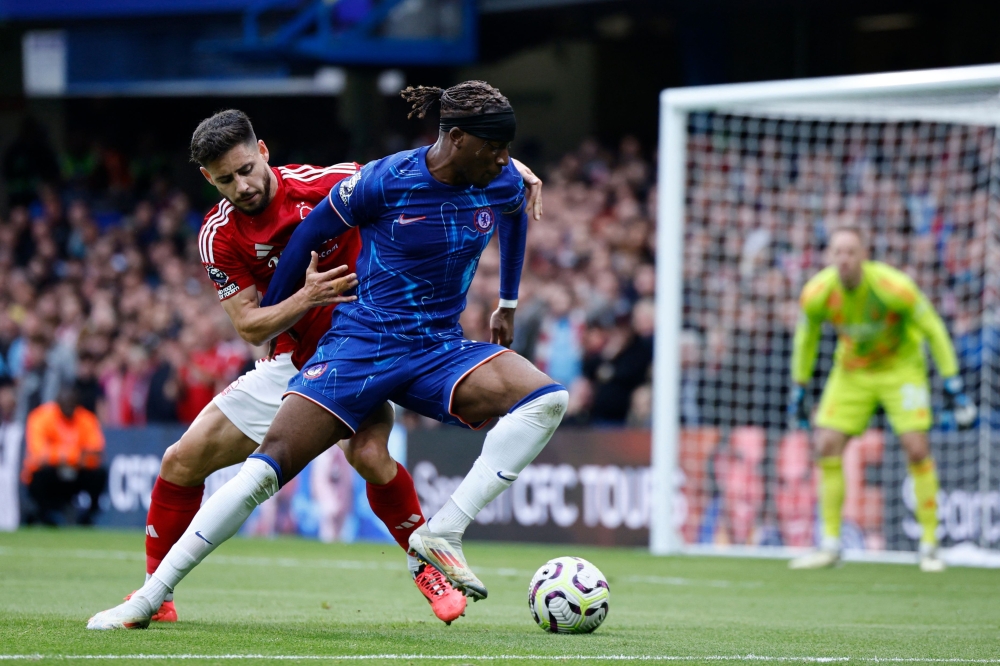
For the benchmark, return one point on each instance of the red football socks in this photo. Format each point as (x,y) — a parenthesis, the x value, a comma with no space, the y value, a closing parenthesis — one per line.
(171,509)
(397,506)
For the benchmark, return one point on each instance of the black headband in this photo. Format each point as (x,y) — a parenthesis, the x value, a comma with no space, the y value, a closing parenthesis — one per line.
(489,126)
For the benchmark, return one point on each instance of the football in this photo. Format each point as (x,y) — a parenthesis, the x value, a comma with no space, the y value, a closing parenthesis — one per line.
(569,595)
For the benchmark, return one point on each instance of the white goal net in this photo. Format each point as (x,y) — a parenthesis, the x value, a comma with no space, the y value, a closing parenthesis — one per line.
(752,178)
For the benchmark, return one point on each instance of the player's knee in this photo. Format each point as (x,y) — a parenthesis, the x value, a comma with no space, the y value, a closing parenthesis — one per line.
(546,405)
(261,477)
(184,463)
(368,454)
(917,448)
(830,443)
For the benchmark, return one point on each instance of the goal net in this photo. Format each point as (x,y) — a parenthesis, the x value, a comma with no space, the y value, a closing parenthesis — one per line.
(752,178)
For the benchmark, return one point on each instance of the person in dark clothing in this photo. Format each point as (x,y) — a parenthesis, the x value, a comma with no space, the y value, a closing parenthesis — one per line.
(164,387)
(88,388)
(622,367)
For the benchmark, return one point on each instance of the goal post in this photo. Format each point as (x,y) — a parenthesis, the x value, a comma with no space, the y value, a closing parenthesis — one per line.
(750,178)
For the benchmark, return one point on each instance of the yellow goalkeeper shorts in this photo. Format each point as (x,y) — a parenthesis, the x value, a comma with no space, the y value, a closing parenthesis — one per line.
(850,398)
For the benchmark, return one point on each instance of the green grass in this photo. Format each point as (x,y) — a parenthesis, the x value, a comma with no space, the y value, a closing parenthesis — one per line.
(301,598)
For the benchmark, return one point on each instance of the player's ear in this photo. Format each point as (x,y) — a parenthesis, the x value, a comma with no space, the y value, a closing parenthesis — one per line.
(262,147)
(207,175)
(457,137)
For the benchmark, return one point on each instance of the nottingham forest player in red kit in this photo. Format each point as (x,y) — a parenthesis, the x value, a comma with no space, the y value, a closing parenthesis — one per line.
(240,242)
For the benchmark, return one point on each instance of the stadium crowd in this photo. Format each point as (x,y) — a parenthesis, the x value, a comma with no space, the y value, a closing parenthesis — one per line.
(101,286)
(761,197)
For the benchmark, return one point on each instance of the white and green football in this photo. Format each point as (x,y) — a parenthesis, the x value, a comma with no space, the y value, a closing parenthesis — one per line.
(569,595)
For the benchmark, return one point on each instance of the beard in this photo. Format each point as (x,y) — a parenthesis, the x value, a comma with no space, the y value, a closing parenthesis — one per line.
(265,201)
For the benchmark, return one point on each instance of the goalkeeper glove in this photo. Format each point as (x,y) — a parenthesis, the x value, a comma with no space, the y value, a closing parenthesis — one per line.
(957,406)
(798,415)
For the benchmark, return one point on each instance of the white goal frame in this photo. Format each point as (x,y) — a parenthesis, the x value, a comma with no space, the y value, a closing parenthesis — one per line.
(865,98)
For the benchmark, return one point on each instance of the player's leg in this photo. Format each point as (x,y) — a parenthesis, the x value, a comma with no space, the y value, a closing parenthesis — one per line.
(925,490)
(211,443)
(906,400)
(393,498)
(847,405)
(531,407)
(226,431)
(301,431)
(389,487)
(830,446)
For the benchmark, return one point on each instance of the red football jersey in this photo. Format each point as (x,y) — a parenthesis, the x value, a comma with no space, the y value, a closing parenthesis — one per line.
(240,250)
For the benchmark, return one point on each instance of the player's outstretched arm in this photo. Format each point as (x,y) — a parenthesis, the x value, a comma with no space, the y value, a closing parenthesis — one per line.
(513,230)
(534,186)
(257,325)
(958,407)
(930,324)
(322,224)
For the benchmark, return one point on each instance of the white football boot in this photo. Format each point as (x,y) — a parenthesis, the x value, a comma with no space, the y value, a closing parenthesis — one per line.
(134,613)
(444,552)
(828,555)
(930,561)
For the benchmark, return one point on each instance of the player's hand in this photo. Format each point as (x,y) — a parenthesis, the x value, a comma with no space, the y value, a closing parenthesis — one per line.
(326,288)
(534,184)
(502,327)
(798,415)
(958,407)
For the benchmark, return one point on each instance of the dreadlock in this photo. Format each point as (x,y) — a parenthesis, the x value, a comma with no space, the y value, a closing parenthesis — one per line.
(468,98)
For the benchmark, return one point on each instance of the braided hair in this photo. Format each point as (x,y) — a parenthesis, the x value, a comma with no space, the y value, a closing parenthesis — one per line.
(468,98)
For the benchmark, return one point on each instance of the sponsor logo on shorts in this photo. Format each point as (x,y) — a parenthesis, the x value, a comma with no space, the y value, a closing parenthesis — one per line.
(915,397)
(228,291)
(315,371)
(217,275)
(483,218)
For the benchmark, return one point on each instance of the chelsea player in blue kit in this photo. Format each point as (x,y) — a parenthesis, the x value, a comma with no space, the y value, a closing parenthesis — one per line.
(425,216)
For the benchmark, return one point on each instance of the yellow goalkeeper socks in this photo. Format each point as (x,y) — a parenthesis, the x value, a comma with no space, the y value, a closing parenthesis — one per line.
(831,470)
(925,487)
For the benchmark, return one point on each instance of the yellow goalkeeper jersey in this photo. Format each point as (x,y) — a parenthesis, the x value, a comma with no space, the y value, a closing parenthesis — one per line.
(883,321)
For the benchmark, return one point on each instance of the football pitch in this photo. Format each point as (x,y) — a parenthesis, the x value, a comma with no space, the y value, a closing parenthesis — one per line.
(290,600)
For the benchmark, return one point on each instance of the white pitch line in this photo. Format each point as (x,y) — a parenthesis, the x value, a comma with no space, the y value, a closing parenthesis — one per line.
(237,560)
(499,657)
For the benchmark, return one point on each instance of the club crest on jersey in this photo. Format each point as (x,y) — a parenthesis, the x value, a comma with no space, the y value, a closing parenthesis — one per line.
(217,275)
(304,209)
(347,187)
(483,218)
(314,372)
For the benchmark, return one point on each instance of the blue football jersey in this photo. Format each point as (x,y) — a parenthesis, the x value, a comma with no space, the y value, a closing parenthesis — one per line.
(421,241)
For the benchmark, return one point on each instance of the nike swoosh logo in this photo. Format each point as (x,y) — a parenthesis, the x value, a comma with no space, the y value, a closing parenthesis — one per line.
(504,477)
(408,220)
(202,537)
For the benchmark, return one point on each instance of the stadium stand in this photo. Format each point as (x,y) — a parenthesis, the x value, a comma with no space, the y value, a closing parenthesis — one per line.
(100,283)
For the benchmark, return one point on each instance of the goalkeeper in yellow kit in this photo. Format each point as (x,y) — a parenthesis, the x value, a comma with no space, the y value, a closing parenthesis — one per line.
(882,320)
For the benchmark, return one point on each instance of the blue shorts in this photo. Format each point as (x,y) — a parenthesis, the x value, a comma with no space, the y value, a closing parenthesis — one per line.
(355,369)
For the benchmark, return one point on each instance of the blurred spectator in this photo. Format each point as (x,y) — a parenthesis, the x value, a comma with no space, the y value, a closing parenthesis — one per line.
(10,454)
(559,348)
(588,266)
(64,447)
(622,366)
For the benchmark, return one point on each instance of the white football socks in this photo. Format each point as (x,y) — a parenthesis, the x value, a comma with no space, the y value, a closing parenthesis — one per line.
(219,519)
(510,446)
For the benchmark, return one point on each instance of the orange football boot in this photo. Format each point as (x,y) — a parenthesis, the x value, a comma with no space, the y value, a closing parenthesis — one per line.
(166,613)
(447,603)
